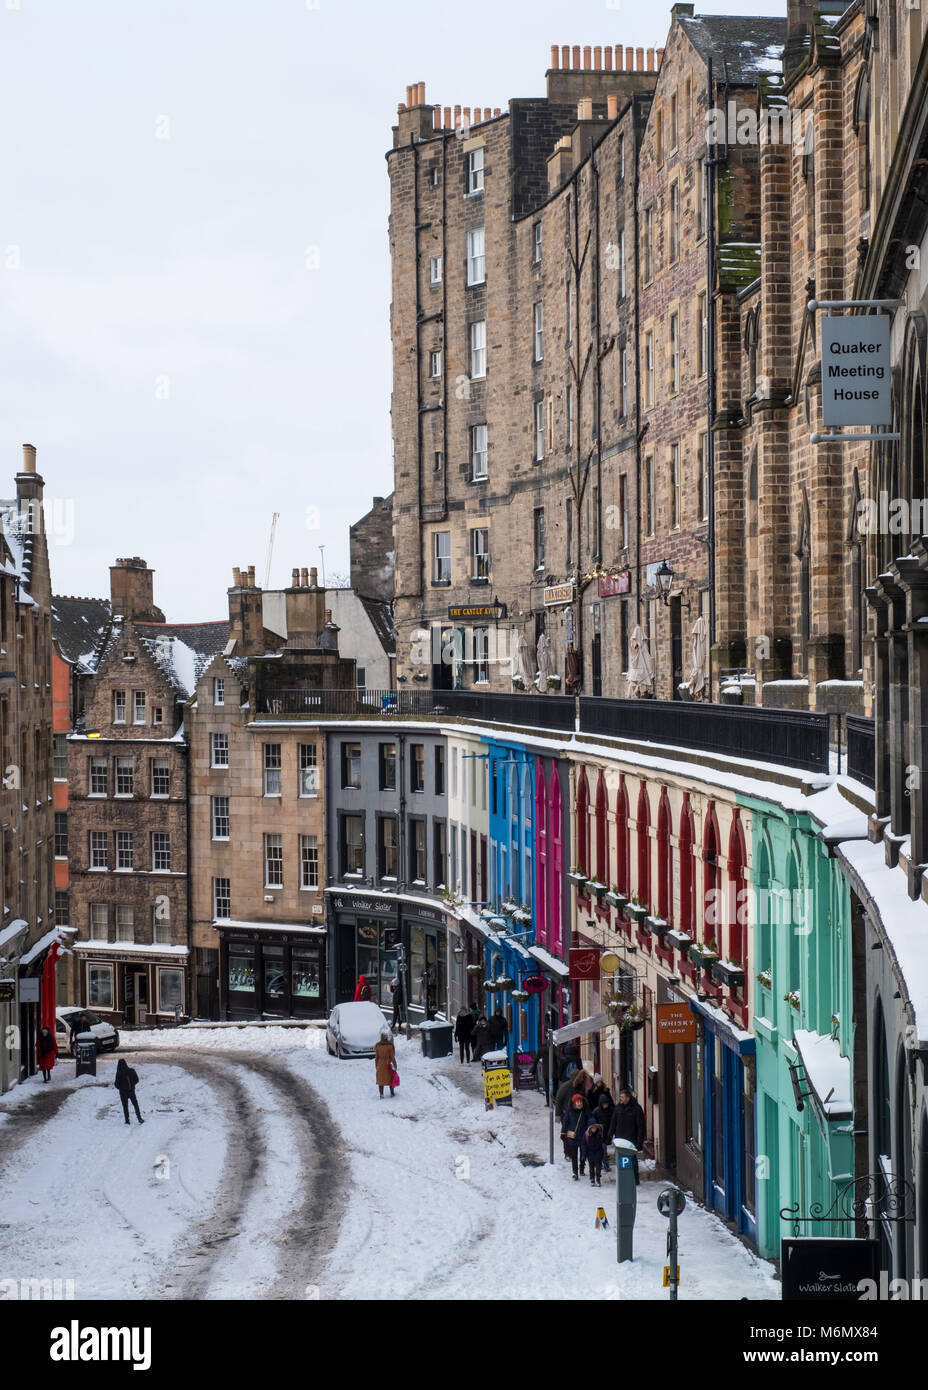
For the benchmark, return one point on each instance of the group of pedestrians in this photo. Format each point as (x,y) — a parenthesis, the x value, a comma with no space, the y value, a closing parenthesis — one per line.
(476,1035)
(590,1121)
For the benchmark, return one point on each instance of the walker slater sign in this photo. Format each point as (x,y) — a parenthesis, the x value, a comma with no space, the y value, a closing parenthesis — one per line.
(855,370)
(826,1269)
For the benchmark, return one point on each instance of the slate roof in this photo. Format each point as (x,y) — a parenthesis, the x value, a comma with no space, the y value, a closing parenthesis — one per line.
(740,46)
(79,626)
(183,650)
(381,616)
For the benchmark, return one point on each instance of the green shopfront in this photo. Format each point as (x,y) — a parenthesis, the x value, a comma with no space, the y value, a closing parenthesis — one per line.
(366,932)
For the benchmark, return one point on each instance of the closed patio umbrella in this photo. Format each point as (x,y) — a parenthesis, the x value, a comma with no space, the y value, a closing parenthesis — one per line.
(640,665)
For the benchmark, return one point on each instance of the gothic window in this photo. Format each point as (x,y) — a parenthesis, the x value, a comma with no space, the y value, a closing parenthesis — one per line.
(862,131)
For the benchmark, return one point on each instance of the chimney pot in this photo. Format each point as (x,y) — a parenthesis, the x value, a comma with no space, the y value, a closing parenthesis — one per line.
(598,57)
(496,110)
(236,577)
(313,574)
(304,578)
(607,56)
(436,118)
(660,58)
(466,114)
(457,117)
(586,58)
(650,60)
(575,57)
(629,60)
(409,96)
(639,60)
(612,106)
(448,125)
(28,458)
(565,58)
(294,578)
(251,576)
(618,57)
(554,55)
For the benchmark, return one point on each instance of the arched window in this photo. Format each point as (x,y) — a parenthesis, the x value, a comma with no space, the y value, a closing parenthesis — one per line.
(808,174)
(643,819)
(862,131)
(687,868)
(713,907)
(541,857)
(583,824)
(737,894)
(602,833)
(621,838)
(555,916)
(664,859)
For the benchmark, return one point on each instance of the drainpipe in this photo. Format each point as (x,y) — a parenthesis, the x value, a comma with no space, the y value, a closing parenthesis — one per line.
(638,430)
(710,377)
(415,184)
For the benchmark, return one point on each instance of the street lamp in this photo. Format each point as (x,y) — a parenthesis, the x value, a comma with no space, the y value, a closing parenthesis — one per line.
(664,577)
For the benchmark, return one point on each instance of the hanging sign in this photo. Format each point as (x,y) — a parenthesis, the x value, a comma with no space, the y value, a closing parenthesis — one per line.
(676,1023)
(584,963)
(558,593)
(827,1269)
(535,984)
(856,370)
(612,584)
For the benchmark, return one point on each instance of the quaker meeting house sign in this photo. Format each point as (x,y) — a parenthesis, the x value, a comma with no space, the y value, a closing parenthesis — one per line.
(855,370)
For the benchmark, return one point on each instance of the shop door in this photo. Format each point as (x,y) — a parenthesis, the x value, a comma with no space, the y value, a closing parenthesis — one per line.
(676,644)
(597,663)
(443,669)
(347,974)
(274,980)
(668,1107)
(208,987)
(140,991)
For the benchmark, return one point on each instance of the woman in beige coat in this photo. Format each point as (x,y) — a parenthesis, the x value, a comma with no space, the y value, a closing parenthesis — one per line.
(385,1062)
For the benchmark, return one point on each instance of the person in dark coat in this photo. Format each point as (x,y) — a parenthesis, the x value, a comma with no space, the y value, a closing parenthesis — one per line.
(127,1078)
(498,1030)
(481,1040)
(594,1148)
(598,1088)
(603,1115)
(574,1125)
(46,1050)
(464,1032)
(628,1123)
(399,1003)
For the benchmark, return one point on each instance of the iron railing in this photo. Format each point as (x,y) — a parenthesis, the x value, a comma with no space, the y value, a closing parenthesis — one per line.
(789,737)
(861,748)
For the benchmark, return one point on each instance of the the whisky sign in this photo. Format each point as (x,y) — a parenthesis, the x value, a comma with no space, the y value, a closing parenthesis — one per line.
(856,370)
(558,593)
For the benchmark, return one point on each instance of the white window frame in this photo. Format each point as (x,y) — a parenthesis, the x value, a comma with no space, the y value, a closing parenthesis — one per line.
(540,430)
(622,285)
(478,349)
(165,768)
(675,353)
(272,770)
(649,369)
(435,364)
(226,897)
(273,860)
(702,314)
(159,853)
(475,168)
(676,495)
(623,367)
(97,972)
(98,910)
(480,552)
(308,770)
(482,655)
(119,704)
(435,270)
(121,773)
(218,744)
(309,863)
(441,560)
(139,703)
(219,816)
(538,329)
(479,453)
(536,243)
(99,850)
(124,922)
(477,256)
(103,766)
(219,690)
(125,851)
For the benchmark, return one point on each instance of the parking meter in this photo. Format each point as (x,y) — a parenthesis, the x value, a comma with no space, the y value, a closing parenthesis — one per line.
(626,1197)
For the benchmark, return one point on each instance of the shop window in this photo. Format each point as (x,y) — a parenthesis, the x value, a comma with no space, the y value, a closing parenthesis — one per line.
(305,972)
(170,989)
(100,990)
(272,960)
(241,967)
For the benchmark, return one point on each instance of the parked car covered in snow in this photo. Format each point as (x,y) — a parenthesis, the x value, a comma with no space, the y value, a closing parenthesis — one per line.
(353,1030)
(65,1017)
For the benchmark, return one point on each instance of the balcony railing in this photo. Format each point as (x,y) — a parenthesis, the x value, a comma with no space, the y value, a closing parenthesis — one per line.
(791,738)
(861,749)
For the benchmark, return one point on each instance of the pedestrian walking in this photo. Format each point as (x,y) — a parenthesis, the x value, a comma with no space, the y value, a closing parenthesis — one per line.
(628,1123)
(385,1063)
(399,1003)
(46,1050)
(594,1148)
(498,1030)
(598,1088)
(603,1115)
(481,1042)
(362,989)
(127,1078)
(573,1127)
(464,1033)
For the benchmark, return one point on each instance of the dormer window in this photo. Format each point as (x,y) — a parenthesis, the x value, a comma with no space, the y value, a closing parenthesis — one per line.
(219,690)
(128,656)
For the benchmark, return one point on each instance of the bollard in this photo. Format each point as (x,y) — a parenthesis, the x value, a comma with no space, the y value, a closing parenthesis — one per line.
(626,1197)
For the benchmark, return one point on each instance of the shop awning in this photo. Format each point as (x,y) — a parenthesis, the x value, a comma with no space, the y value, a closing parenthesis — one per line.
(43,944)
(543,957)
(721,1025)
(303,928)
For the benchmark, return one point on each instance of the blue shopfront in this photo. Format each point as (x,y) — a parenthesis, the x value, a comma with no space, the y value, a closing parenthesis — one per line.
(728,1101)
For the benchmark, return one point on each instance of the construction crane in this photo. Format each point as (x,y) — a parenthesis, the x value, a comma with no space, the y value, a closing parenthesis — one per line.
(270,549)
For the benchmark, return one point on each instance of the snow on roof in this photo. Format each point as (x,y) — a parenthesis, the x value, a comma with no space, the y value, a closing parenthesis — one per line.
(269,926)
(741,46)
(14,929)
(79,626)
(828,1073)
(136,947)
(547,960)
(36,949)
(905,922)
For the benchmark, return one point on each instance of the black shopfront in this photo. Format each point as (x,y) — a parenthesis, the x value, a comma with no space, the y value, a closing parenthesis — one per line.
(366,931)
(272,974)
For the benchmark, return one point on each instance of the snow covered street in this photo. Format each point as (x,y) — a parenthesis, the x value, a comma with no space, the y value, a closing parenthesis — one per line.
(268,1169)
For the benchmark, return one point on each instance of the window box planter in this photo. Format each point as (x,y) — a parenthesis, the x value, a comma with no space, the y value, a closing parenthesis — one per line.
(598,889)
(725,972)
(656,925)
(616,900)
(505,983)
(510,907)
(702,956)
(678,939)
(421,676)
(580,881)
(637,912)
(793,999)
(765,978)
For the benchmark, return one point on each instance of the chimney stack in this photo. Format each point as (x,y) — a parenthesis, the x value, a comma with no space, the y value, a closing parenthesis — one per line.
(251,576)
(612,106)
(28,458)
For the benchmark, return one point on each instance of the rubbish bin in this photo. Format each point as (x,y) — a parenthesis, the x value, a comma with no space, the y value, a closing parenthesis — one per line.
(437,1038)
(85,1054)
(497,1062)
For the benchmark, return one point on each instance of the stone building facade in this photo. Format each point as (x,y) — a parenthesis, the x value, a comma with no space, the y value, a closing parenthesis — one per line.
(29,940)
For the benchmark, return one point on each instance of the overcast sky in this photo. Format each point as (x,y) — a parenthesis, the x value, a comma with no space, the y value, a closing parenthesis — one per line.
(194,279)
